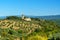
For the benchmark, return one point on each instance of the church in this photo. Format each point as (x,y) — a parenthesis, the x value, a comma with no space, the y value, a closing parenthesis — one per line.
(25,18)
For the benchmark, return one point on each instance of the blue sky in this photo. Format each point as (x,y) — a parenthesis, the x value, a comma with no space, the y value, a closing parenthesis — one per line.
(29,7)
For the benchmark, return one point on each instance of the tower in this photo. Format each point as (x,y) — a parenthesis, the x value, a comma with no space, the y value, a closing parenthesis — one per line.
(23,16)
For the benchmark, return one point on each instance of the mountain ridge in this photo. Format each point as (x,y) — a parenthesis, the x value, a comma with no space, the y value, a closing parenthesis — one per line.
(42,17)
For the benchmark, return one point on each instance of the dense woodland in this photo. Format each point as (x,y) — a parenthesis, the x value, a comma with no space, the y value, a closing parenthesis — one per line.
(14,28)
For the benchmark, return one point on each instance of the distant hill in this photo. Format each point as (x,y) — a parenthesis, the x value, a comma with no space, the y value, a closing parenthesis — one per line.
(55,18)
(2,17)
(51,17)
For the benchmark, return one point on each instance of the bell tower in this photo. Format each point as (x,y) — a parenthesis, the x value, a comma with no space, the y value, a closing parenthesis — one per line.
(22,16)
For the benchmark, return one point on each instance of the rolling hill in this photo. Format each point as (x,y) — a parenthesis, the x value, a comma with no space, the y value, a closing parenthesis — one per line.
(14,28)
(55,18)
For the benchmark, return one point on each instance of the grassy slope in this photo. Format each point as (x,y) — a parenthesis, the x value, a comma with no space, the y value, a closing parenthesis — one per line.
(37,29)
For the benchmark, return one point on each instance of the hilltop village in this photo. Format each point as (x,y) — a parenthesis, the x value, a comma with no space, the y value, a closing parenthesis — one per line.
(25,28)
(25,18)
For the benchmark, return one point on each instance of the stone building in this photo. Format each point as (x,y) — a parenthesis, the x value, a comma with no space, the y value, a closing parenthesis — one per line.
(25,18)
